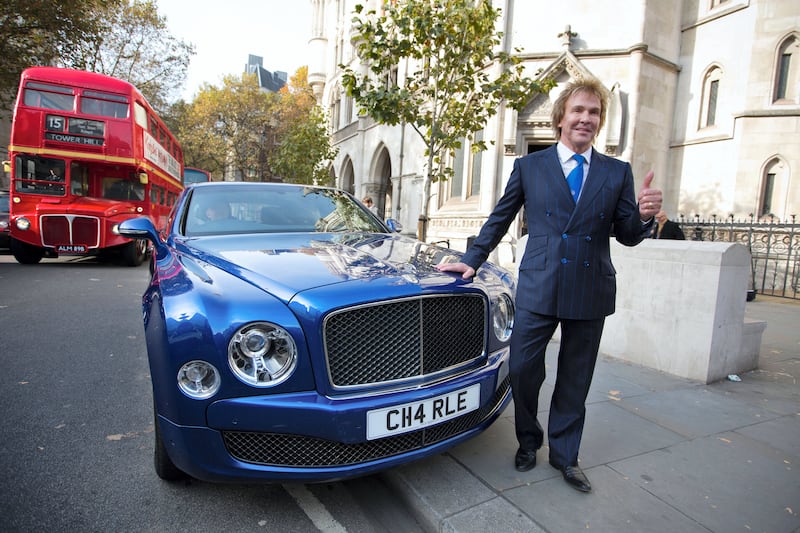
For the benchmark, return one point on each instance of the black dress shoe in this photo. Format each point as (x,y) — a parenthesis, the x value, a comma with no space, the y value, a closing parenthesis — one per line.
(575,477)
(525,460)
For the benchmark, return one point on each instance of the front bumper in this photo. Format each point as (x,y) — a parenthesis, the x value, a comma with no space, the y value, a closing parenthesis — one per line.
(310,438)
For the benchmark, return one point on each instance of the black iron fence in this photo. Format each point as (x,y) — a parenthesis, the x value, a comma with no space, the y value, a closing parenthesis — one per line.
(774,248)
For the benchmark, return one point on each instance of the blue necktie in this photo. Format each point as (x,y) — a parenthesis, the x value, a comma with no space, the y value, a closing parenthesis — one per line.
(575,178)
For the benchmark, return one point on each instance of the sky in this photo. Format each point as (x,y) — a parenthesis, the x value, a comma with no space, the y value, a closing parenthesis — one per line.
(225,32)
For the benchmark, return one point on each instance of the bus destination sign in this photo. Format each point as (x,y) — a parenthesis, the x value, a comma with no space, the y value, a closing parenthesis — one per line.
(74,130)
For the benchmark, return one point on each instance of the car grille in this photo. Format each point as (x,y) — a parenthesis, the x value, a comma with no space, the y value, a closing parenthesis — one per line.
(299,451)
(402,339)
(70,229)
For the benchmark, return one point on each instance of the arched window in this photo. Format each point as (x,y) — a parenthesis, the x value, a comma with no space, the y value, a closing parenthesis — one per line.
(787,72)
(774,180)
(711,88)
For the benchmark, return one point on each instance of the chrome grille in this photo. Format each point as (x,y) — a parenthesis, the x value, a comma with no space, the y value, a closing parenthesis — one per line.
(70,229)
(403,339)
(299,451)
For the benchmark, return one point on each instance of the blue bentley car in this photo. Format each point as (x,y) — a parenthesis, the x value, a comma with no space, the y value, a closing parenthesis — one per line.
(292,335)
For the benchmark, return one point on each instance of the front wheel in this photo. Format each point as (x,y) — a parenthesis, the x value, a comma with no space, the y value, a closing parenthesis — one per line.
(134,252)
(26,254)
(165,468)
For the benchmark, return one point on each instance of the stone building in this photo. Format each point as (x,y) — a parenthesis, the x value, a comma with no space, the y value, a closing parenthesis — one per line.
(704,92)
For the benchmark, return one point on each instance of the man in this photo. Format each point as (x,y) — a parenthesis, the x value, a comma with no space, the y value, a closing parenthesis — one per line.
(565,275)
(666,229)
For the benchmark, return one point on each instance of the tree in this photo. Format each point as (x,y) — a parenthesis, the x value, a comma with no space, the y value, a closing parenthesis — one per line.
(304,144)
(458,75)
(137,47)
(261,135)
(42,32)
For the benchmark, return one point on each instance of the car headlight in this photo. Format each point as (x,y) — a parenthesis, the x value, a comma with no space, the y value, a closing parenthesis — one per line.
(502,317)
(262,354)
(198,379)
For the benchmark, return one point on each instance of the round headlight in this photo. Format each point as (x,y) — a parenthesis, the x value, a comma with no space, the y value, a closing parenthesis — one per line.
(23,224)
(198,379)
(262,354)
(115,229)
(502,317)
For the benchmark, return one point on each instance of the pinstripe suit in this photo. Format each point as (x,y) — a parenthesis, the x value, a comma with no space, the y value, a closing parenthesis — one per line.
(565,276)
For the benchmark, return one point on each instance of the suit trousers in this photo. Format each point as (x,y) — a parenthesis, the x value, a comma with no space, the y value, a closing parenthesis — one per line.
(580,342)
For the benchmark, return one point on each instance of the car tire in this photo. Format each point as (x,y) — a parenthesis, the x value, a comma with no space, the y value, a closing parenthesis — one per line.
(165,468)
(25,253)
(134,252)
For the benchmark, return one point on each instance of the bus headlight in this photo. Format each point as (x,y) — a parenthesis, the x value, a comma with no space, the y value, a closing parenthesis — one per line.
(115,229)
(23,224)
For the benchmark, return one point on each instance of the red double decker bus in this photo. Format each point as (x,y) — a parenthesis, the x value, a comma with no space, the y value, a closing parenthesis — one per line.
(87,151)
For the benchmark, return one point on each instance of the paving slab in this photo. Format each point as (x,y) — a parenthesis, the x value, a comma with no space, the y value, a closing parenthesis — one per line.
(725,482)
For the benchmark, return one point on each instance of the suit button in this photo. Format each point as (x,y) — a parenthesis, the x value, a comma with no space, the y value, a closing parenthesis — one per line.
(547,213)
(563,260)
(563,235)
(586,264)
(588,238)
(602,215)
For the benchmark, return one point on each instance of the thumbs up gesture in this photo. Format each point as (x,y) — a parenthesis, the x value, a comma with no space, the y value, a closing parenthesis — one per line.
(649,199)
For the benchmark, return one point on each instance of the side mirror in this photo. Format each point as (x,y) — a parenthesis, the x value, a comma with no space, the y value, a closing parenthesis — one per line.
(142,228)
(394,225)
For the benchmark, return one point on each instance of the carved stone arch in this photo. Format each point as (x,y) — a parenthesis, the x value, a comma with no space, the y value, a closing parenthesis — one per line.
(534,123)
(348,181)
(380,182)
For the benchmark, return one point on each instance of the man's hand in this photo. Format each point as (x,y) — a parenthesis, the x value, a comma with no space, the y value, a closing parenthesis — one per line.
(649,199)
(467,272)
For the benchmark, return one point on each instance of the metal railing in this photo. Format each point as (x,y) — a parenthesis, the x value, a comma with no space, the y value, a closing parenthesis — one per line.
(774,247)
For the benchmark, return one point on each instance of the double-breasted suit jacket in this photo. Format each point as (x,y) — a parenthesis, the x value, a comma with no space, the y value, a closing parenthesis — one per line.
(566,270)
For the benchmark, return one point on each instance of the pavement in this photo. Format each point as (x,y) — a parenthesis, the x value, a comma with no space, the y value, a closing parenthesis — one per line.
(663,454)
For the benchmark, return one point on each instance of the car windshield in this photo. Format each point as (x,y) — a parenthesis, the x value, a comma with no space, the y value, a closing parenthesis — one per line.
(274,208)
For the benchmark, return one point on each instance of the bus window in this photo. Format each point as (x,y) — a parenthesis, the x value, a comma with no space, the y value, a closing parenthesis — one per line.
(39,175)
(104,108)
(122,189)
(78,179)
(52,97)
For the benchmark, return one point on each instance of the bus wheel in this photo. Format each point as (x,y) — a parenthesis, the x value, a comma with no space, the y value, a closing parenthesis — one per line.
(134,252)
(26,254)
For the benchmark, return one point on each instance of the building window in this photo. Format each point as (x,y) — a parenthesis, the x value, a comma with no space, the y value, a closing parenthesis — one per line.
(708,110)
(391,78)
(717,3)
(475,168)
(766,199)
(787,72)
(348,109)
(774,190)
(457,181)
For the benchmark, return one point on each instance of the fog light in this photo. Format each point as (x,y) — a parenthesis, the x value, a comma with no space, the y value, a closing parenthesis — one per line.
(198,379)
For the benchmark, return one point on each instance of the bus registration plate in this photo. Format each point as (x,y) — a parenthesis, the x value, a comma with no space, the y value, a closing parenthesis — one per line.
(71,249)
(399,419)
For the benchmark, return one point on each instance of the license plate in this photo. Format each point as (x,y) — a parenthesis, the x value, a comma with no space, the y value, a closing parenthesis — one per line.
(417,415)
(71,249)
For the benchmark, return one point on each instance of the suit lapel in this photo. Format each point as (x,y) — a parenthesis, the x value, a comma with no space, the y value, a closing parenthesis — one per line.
(553,171)
(598,173)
